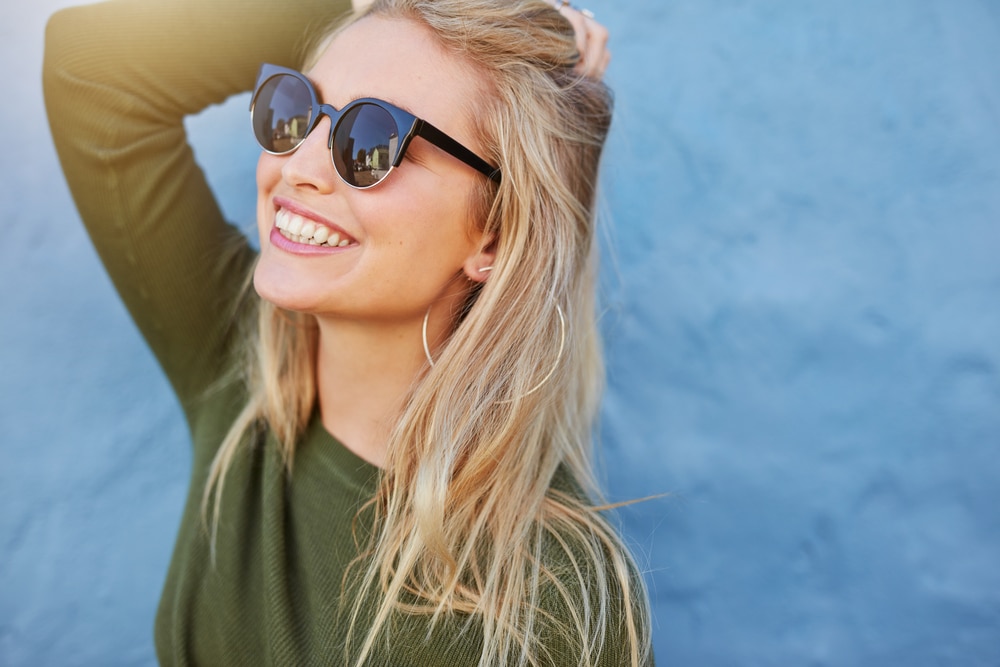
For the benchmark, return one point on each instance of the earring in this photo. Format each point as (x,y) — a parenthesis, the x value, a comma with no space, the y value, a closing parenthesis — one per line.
(562,346)
(423,333)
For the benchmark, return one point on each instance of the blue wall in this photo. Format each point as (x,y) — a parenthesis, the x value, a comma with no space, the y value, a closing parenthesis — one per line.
(802,281)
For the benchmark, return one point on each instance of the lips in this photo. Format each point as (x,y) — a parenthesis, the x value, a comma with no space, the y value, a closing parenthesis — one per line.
(299,229)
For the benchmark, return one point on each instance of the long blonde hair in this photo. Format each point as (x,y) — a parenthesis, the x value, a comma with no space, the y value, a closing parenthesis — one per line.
(466,515)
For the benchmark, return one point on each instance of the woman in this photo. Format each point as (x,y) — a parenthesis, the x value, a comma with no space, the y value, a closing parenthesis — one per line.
(391,463)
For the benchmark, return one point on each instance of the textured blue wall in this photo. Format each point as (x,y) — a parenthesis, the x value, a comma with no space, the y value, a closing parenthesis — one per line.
(802,281)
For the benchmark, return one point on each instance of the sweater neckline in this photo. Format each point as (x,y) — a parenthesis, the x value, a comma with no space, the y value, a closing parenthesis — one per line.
(322,448)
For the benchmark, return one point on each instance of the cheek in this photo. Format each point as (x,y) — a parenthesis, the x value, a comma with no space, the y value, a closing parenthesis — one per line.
(439,223)
(268,174)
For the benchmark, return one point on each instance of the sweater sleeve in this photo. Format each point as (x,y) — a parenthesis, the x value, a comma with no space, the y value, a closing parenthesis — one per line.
(119,77)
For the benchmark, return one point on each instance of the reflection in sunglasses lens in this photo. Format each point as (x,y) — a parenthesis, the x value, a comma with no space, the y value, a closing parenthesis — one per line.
(282,113)
(365,145)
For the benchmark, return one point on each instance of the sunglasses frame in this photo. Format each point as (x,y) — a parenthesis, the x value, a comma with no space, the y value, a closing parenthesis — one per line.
(417,127)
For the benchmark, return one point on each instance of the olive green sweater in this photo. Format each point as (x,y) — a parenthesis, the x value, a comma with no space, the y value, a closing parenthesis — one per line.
(119,78)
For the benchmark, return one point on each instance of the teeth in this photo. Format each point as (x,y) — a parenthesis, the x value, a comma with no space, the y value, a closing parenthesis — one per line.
(300,230)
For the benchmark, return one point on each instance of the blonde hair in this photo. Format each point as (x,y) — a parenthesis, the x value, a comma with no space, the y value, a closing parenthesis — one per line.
(466,515)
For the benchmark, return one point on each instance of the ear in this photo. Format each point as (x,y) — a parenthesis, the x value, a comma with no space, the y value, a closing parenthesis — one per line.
(477,266)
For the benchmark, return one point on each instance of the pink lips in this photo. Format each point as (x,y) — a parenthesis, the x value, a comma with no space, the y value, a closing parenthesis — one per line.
(280,241)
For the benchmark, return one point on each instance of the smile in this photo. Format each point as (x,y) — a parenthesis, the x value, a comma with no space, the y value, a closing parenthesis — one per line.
(297,229)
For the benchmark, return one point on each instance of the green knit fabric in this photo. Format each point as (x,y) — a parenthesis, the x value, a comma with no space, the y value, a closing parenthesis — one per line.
(119,78)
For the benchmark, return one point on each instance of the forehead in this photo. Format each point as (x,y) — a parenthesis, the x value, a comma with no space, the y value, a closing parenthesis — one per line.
(401,62)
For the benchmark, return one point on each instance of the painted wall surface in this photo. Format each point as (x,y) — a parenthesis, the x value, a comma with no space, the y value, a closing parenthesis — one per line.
(802,290)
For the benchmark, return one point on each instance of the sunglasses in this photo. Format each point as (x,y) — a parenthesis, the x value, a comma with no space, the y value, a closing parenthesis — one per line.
(368,137)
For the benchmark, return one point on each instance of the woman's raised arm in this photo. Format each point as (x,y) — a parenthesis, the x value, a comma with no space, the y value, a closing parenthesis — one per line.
(119,77)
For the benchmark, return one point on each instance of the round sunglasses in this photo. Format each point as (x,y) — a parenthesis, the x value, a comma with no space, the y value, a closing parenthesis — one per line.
(368,137)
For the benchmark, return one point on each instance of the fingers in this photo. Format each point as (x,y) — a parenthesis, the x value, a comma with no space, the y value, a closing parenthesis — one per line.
(591,40)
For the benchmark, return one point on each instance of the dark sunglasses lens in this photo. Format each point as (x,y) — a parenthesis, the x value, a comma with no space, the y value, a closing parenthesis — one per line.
(282,112)
(365,145)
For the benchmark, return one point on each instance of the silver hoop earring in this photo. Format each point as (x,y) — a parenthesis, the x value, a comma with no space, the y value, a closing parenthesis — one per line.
(485,269)
(423,333)
(562,346)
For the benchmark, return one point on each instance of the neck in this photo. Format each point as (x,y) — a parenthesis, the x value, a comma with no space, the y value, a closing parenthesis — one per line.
(365,370)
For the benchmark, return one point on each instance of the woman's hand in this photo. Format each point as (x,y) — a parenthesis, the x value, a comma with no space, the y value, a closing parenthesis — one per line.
(591,40)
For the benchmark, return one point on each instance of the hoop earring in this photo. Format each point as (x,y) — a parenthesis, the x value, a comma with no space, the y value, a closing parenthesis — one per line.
(423,334)
(562,346)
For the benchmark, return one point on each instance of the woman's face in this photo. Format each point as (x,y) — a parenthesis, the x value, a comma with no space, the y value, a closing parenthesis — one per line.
(409,240)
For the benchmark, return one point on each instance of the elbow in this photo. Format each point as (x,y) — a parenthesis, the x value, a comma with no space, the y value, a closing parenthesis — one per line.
(78,47)
(65,54)
(62,43)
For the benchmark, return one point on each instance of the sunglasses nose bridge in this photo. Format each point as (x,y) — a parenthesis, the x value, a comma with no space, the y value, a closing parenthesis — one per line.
(333,115)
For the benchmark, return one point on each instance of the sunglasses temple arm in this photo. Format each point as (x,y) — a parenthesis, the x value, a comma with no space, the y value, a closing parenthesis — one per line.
(449,145)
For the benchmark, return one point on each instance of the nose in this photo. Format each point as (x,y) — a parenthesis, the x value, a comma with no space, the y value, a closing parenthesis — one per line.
(310,165)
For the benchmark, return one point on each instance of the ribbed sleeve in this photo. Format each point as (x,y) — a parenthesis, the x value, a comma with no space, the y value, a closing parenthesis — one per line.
(119,77)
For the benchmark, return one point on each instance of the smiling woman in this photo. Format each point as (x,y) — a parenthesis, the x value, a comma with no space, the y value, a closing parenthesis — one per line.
(392,429)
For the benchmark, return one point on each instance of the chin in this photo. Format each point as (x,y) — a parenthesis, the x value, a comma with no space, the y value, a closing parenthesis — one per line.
(274,285)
